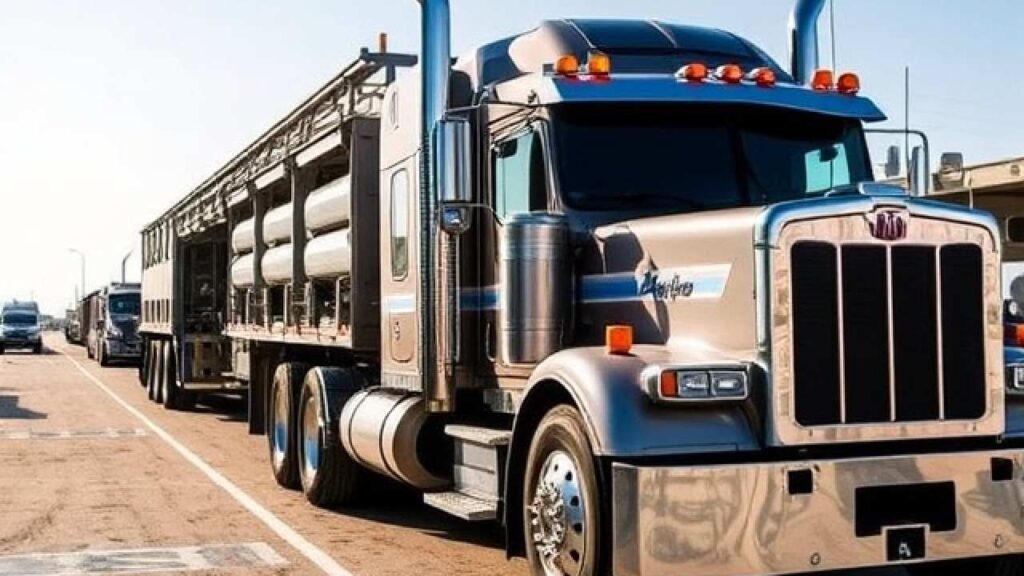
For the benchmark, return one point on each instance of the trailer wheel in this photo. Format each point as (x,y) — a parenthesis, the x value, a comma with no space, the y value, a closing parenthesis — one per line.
(174,396)
(101,354)
(282,424)
(144,364)
(153,391)
(561,505)
(328,474)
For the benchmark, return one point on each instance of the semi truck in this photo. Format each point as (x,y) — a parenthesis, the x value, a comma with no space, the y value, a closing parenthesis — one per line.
(625,287)
(110,323)
(20,327)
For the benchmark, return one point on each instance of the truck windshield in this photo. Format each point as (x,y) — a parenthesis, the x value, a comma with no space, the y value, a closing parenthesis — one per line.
(19,319)
(123,304)
(687,158)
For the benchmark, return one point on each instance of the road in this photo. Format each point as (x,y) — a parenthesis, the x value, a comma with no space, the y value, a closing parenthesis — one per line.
(95,479)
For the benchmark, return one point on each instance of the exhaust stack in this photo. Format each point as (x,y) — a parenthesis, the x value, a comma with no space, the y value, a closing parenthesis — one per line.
(435,63)
(803,39)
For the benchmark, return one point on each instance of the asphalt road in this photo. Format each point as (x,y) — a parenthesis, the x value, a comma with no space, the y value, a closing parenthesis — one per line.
(95,479)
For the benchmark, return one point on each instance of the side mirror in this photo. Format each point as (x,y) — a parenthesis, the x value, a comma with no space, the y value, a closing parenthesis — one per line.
(892,162)
(454,162)
(919,174)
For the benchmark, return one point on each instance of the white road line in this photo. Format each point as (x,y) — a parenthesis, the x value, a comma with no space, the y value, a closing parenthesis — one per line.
(286,532)
(143,560)
(72,434)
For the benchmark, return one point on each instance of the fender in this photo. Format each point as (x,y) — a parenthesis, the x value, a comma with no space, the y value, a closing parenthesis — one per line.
(621,420)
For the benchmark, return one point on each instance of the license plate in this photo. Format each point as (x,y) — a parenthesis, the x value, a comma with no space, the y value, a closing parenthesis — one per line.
(905,544)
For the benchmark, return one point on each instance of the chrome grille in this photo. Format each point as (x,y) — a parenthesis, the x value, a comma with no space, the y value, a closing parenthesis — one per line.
(887,333)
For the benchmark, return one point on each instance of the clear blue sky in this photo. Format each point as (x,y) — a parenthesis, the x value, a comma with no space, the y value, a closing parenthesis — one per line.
(113,109)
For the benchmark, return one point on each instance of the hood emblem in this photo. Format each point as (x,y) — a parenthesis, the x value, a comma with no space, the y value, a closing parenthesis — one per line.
(889,225)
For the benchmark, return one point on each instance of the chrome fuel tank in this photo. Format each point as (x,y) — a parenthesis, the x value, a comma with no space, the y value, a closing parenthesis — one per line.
(277,225)
(243,237)
(535,286)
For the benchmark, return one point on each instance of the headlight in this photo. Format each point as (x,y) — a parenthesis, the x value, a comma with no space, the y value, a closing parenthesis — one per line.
(679,384)
(1015,378)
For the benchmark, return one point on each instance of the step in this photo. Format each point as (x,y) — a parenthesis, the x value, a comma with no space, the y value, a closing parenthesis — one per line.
(462,505)
(479,434)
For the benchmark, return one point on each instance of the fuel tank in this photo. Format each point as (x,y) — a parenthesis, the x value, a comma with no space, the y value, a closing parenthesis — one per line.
(391,433)
(534,317)
(241,271)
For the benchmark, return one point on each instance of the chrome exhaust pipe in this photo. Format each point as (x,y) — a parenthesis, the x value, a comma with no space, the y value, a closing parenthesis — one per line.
(435,65)
(803,39)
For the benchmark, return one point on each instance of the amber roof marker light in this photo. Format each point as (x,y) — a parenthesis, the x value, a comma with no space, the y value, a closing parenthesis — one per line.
(764,77)
(618,338)
(729,73)
(598,64)
(822,80)
(693,72)
(849,83)
(567,65)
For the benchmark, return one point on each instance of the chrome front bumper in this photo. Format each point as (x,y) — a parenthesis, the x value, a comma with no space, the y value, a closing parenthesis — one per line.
(782,518)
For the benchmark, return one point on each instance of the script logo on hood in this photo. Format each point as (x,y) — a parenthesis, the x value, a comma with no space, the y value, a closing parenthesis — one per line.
(665,289)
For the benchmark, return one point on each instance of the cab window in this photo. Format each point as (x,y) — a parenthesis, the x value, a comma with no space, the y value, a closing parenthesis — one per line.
(519,176)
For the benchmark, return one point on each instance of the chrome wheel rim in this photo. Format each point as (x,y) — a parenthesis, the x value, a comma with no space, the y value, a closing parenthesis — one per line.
(310,440)
(280,431)
(557,516)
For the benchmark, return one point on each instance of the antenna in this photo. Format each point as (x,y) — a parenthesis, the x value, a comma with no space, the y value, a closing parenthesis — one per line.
(832,31)
(906,116)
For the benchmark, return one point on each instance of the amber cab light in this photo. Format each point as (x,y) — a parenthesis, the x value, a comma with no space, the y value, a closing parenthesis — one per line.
(618,338)
(764,77)
(822,80)
(567,65)
(729,73)
(848,83)
(694,72)
(599,64)
(1015,335)
(669,384)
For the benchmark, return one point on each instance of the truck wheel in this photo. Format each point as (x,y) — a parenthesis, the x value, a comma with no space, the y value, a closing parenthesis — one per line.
(282,422)
(2,349)
(561,505)
(157,371)
(102,356)
(328,474)
(38,348)
(169,389)
(144,364)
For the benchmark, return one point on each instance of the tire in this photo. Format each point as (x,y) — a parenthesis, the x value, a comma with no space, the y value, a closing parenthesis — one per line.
(157,370)
(169,390)
(561,475)
(102,356)
(2,350)
(38,348)
(328,475)
(282,419)
(144,364)
(88,351)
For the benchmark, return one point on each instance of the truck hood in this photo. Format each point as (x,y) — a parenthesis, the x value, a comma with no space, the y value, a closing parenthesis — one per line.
(685,281)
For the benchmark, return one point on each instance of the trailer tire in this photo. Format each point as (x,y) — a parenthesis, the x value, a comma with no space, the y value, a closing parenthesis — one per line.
(102,356)
(561,498)
(153,389)
(282,422)
(329,476)
(169,389)
(144,364)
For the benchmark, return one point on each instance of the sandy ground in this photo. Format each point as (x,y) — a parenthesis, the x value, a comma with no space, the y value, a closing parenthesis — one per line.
(79,472)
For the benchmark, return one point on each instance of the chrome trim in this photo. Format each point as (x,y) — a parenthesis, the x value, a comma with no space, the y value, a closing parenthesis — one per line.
(803,39)
(774,218)
(740,520)
(936,225)
(435,35)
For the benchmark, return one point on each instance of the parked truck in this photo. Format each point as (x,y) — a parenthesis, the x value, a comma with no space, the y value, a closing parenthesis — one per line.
(625,287)
(110,323)
(20,327)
